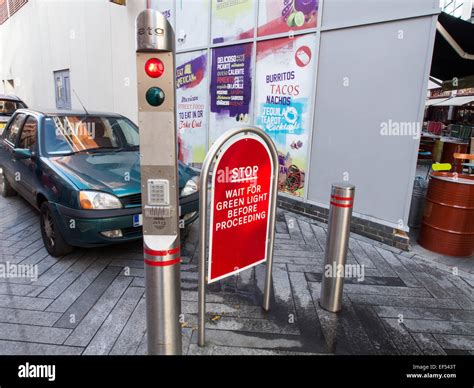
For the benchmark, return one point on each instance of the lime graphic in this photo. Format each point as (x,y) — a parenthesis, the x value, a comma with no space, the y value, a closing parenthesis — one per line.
(291,19)
(299,18)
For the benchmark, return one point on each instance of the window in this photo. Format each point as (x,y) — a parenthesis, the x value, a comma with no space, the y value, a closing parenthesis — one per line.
(62,89)
(12,131)
(70,134)
(28,134)
(8,107)
(15,5)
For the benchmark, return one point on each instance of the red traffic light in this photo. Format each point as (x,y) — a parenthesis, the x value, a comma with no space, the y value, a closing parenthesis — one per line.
(154,68)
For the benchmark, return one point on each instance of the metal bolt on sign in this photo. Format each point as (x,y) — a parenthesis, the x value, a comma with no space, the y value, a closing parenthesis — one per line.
(159,180)
(241,232)
(339,225)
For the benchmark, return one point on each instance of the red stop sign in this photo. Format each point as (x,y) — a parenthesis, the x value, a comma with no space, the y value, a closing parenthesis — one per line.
(240,206)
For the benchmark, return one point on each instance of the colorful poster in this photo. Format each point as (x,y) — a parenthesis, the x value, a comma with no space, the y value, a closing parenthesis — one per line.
(284,99)
(232,20)
(191,106)
(192,24)
(278,16)
(231,88)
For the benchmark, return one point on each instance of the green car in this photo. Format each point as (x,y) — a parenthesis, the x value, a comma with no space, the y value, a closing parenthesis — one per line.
(82,172)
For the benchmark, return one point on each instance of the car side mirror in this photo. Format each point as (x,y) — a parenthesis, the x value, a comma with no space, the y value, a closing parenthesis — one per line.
(22,153)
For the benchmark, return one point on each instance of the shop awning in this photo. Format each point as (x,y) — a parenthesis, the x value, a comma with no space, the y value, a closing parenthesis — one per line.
(435,101)
(457,101)
(453,49)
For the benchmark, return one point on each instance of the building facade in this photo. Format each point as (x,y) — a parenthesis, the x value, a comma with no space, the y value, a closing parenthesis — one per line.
(331,81)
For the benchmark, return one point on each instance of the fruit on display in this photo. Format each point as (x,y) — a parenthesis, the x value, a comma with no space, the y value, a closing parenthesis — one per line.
(297,12)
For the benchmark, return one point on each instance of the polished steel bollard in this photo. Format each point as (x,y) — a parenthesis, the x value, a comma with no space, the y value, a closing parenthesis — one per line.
(339,225)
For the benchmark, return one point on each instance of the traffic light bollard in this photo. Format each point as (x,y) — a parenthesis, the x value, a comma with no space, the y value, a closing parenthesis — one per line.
(159,181)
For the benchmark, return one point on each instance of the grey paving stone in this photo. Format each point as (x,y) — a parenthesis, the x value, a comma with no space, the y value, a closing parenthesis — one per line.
(86,330)
(282,290)
(246,325)
(462,342)
(424,313)
(40,318)
(440,327)
(320,234)
(391,300)
(88,298)
(368,280)
(18,289)
(386,290)
(428,344)
(234,310)
(293,227)
(65,280)
(29,333)
(359,254)
(67,298)
(251,340)
(308,236)
(57,269)
(306,316)
(399,269)
(24,302)
(401,337)
(375,330)
(13,348)
(106,336)
(424,278)
(131,335)
(213,350)
(384,268)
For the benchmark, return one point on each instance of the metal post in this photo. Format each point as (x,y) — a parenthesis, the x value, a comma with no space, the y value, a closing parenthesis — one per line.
(159,177)
(203,199)
(339,225)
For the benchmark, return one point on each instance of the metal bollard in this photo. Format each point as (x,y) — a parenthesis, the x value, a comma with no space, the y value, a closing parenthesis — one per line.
(339,225)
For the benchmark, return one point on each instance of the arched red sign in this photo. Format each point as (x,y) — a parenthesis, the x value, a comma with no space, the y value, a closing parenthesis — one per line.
(240,207)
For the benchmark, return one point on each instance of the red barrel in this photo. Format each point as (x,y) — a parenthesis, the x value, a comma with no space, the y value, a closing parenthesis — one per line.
(451,147)
(448,219)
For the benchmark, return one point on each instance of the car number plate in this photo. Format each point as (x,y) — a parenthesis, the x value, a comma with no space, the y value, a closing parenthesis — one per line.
(137,220)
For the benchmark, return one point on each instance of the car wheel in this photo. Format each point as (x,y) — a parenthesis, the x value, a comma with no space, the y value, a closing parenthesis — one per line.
(52,237)
(5,189)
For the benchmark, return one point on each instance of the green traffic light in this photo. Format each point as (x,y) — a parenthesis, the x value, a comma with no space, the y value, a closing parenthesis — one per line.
(155,96)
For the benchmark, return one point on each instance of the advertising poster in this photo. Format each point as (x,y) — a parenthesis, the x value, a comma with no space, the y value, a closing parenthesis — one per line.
(191,106)
(230,88)
(278,16)
(192,23)
(232,20)
(166,8)
(284,100)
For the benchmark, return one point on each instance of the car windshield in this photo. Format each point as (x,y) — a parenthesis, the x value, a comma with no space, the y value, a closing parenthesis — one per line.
(8,107)
(73,134)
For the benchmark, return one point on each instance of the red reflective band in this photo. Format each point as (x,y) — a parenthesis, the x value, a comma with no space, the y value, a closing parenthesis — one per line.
(341,204)
(152,252)
(342,198)
(154,68)
(162,263)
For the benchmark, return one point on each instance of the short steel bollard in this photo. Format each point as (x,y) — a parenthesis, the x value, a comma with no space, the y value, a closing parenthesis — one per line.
(339,225)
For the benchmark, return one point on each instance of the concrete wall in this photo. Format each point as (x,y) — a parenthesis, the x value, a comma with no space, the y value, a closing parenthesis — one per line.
(94,39)
(368,75)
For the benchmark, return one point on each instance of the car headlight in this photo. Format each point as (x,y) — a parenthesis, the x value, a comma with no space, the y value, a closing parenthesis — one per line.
(192,186)
(98,201)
